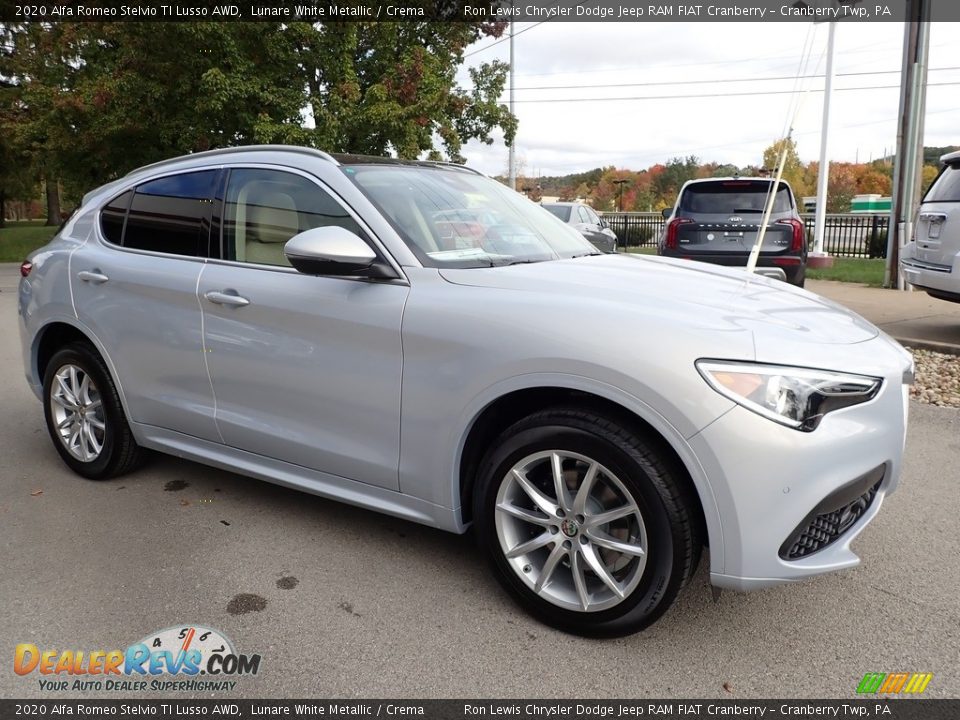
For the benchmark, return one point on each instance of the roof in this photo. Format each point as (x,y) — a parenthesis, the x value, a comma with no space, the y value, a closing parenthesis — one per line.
(349,159)
(239,149)
(337,158)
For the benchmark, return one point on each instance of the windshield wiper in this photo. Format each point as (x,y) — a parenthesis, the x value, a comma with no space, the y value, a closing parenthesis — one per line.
(589,254)
(521,262)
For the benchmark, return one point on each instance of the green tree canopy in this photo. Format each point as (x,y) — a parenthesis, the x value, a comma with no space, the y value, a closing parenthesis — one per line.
(95,100)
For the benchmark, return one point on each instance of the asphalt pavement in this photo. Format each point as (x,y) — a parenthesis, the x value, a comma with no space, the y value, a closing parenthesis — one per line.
(341,602)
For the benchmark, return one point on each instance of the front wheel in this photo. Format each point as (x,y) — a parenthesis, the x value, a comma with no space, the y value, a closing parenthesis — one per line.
(584,523)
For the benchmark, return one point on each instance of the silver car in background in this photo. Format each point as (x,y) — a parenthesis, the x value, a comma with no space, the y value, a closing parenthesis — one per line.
(416,339)
(585,221)
(931,260)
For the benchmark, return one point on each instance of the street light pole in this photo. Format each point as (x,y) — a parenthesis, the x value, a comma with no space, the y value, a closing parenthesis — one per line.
(620,183)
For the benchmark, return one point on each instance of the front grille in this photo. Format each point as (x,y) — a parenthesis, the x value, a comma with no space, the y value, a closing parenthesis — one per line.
(823,529)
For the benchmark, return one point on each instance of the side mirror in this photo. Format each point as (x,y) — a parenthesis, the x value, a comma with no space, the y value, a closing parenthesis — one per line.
(331,250)
(604,223)
(666,212)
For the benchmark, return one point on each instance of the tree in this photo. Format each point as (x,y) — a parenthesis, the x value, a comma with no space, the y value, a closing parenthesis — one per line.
(102,98)
(841,187)
(792,167)
(379,87)
(930,173)
(871,181)
(98,99)
(668,181)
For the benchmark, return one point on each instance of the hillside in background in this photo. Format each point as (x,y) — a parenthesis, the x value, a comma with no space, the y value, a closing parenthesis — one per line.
(656,187)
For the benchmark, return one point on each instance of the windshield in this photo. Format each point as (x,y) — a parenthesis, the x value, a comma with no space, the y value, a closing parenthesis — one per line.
(454,218)
(733,196)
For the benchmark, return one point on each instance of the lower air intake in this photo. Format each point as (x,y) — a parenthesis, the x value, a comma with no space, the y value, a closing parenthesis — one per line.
(823,528)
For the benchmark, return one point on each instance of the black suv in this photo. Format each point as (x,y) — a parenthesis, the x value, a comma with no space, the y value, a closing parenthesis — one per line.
(716,220)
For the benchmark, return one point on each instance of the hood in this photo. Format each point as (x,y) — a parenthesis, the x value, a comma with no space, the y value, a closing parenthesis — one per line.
(698,290)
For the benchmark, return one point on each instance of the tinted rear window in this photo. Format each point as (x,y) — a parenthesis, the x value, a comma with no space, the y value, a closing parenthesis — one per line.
(171,215)
(946,188)
(113,215)
(734,196)
(561,211)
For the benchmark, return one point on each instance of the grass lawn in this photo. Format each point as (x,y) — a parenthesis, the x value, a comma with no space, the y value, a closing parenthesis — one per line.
(854,270)
(18,239)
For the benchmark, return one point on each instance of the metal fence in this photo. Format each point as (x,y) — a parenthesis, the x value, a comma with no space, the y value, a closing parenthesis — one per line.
(862,235)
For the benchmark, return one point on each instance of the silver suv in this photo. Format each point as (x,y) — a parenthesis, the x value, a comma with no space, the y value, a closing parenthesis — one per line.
(931,260)
(419,340)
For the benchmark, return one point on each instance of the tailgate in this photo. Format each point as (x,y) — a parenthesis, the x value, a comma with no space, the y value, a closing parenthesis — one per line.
(733,237)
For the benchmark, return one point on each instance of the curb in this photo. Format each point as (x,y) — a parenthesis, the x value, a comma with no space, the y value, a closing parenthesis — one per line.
(931,345)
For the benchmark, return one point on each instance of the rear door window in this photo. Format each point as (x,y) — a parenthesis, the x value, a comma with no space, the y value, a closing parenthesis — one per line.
(113,216)
(172,214)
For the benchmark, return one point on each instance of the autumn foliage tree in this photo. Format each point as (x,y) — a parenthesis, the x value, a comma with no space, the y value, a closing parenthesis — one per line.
(95,100)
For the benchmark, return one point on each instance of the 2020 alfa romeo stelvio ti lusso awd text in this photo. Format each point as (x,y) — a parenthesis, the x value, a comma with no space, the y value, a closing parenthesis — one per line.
(416,339)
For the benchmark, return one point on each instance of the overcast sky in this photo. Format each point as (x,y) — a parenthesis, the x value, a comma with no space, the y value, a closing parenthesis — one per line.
(557,138)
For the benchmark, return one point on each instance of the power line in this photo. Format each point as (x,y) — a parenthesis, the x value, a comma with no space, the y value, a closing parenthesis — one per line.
(721,80)
(719,95)
(504,39)
(723,146)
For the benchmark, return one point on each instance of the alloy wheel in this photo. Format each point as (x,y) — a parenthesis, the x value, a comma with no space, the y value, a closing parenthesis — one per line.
(78,414)
(571,530)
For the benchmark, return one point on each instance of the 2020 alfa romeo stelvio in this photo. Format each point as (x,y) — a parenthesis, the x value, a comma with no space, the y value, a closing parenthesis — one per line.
(416,339)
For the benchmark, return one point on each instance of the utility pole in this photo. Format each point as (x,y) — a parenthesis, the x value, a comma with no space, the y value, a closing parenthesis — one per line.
(513,165)
(908,161)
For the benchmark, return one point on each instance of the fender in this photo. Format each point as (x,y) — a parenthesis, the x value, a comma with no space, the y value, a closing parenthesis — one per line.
(95,341)
(645,412)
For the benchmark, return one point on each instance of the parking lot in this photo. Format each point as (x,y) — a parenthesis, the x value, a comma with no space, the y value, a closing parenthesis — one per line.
(341,602)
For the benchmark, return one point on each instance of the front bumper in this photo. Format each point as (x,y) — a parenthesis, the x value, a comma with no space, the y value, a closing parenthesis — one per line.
(776,487)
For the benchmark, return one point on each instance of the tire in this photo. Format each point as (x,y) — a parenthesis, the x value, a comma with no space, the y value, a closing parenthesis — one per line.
(80,396)
(661,521)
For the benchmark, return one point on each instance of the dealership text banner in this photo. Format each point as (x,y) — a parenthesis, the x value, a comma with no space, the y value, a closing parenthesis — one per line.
(473,11)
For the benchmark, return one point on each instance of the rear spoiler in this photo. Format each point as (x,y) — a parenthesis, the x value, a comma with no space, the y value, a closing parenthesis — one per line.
(950,158)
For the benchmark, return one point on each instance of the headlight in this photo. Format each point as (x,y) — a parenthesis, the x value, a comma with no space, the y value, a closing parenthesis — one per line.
(791,396)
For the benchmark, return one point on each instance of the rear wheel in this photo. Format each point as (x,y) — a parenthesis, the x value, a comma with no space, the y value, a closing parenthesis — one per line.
(584,524)
(84,416)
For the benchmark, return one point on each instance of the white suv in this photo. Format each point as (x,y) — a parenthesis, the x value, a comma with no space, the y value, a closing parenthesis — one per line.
(931,260)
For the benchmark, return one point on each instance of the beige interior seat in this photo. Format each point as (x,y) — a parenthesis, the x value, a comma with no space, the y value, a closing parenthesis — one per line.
(266,218)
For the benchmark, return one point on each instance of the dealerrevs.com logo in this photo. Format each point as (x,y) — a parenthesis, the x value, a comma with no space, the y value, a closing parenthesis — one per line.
(185,658)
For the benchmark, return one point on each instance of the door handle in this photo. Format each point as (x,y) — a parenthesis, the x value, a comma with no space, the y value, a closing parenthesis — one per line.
(225,298)
(92,276)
